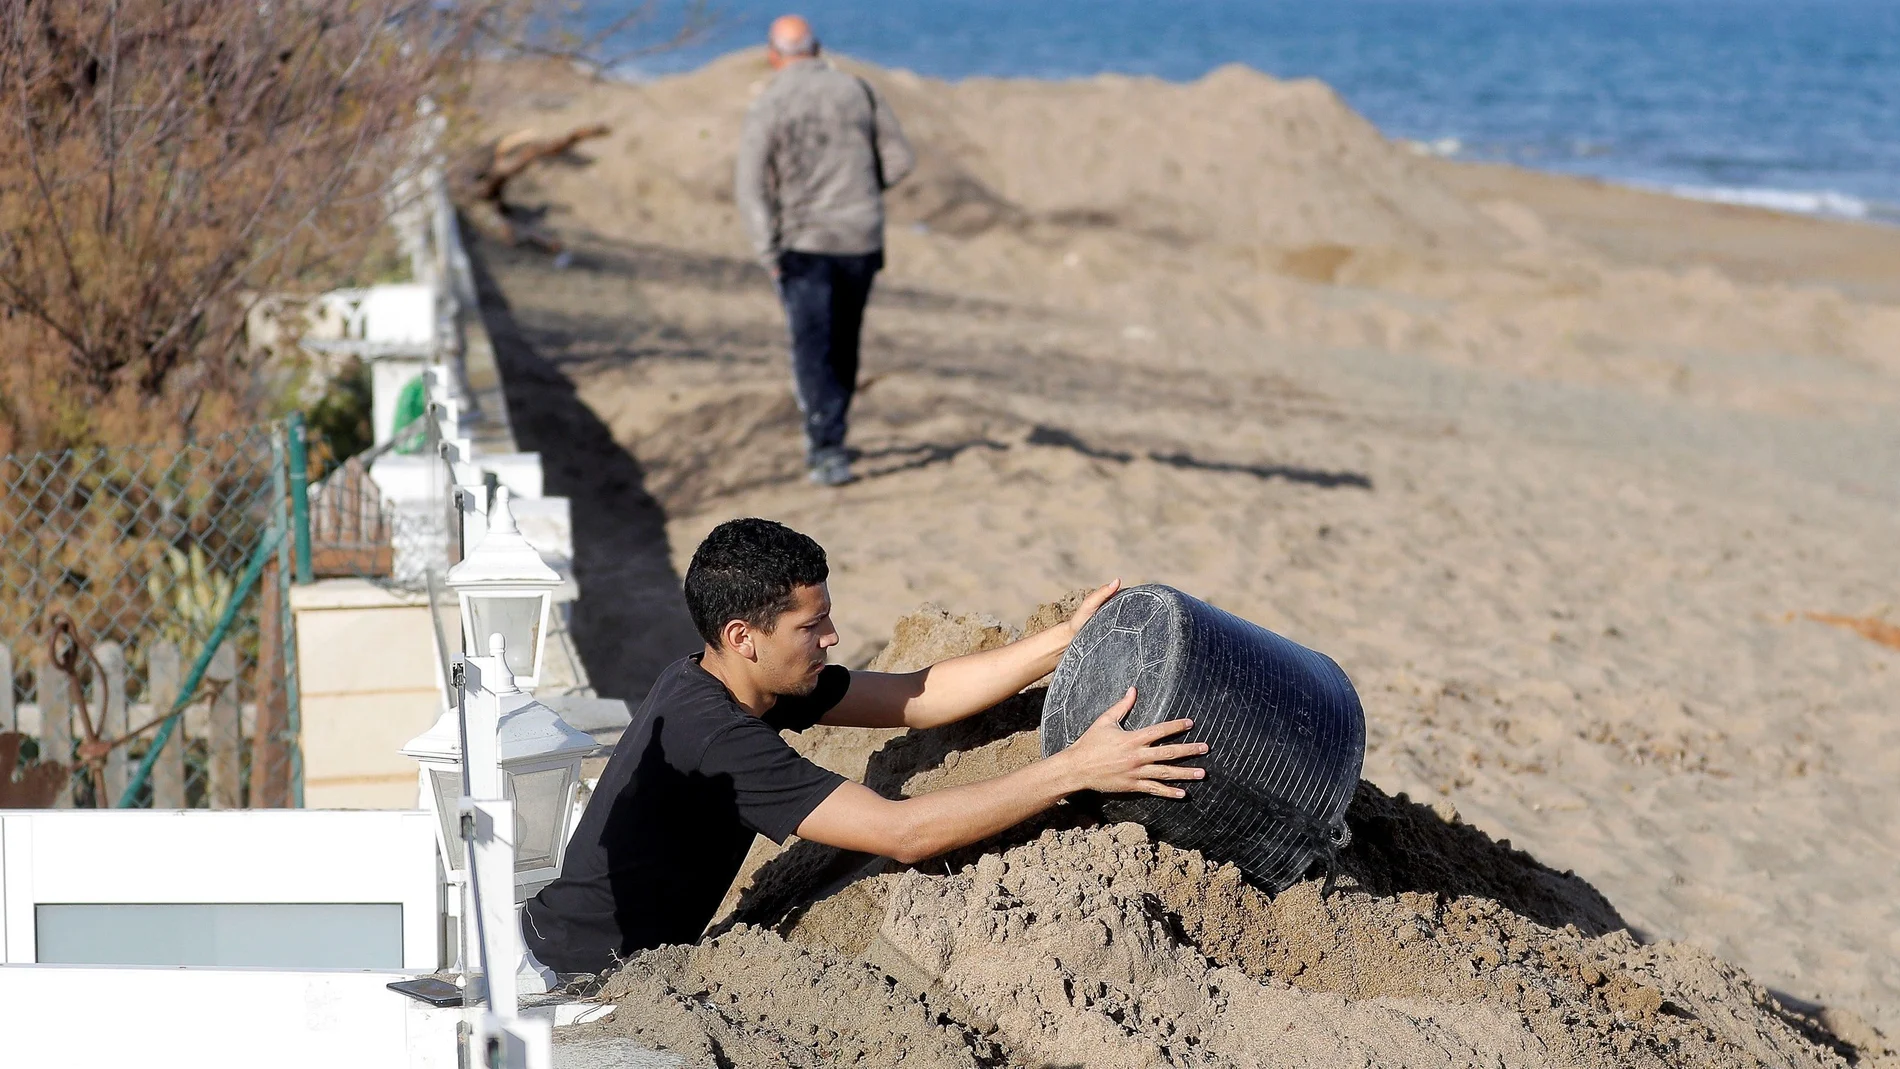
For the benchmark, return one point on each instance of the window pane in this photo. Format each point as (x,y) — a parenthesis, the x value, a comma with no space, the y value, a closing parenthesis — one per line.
(448,797)
(298,935)
(512,618)
(539,817)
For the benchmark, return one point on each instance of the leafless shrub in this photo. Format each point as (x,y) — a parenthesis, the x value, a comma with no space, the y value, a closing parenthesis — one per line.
(159,157)
(549,30)
(164,161)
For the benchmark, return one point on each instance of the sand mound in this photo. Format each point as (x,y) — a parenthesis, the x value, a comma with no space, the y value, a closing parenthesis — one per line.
(1071,942)
(1237,155)
(1095,946)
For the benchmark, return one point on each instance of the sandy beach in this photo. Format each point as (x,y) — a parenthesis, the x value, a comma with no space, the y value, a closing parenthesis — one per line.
(1555,470)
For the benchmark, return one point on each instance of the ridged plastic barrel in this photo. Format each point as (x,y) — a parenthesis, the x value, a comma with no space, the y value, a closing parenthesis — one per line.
(1284,727)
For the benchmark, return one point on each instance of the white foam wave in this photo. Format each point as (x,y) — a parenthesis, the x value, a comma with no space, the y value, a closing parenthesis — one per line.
(1443,147)
(1798,201)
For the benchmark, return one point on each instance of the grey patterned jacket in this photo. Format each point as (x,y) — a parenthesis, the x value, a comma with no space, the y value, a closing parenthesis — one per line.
(818,149)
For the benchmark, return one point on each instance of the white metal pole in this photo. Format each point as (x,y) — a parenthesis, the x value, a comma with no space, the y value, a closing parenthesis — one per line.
(493,873)
(470,949)
(500,1036)
(481,719)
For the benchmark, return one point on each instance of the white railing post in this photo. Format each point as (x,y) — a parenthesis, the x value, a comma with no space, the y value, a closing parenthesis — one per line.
(492,898)
(491,928)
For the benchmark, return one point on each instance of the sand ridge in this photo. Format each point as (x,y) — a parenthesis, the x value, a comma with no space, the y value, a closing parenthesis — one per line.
(1073,942)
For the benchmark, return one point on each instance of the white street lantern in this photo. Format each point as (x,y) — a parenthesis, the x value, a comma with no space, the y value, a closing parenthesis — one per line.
(439,752)
(539,757)
(506,589)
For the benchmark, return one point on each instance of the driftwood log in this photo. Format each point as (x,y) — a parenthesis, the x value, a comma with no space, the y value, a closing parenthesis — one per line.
(483,176)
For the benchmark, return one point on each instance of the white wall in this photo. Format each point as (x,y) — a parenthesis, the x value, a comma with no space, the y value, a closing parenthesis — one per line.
(209,1018)
(82,856)
(368,671)
(79,1016)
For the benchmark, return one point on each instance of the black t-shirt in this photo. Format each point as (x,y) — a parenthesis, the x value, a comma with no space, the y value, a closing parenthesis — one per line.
(691,781)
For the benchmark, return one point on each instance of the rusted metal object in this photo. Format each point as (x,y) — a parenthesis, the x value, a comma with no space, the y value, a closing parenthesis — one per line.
(350,534)
(70,654)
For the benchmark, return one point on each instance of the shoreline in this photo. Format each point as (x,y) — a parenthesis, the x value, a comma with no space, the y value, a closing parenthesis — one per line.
(1861,257)
(1652,226)
(1828,205)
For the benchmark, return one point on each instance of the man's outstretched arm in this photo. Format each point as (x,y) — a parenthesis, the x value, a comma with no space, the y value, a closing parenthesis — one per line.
(1105,758)
(951,690)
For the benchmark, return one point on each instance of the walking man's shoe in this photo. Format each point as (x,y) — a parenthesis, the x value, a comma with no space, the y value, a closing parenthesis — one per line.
(831,468)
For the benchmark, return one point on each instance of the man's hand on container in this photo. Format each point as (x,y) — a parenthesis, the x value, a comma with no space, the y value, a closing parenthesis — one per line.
(1090,604)
(1114,761)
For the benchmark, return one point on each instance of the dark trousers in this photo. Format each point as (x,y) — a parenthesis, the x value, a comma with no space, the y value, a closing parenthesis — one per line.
(824,297)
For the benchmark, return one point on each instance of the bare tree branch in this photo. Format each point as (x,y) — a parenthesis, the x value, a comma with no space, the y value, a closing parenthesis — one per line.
(697,20)
(162,160)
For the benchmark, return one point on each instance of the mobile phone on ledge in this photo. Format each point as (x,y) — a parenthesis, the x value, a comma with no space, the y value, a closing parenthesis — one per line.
(430,989)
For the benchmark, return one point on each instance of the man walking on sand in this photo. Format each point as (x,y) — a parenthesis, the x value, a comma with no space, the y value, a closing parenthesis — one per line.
(701,769)
(818,151)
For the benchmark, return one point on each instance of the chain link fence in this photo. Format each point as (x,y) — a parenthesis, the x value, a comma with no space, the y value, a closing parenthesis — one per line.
(145,627)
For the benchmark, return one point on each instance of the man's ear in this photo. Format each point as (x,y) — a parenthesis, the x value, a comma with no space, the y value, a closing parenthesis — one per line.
(737,635)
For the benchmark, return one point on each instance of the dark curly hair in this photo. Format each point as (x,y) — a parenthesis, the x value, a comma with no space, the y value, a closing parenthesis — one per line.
(747,570)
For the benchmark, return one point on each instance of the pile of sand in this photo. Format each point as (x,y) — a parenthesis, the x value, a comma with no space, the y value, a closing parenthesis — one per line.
(1068,942)
(1237,156)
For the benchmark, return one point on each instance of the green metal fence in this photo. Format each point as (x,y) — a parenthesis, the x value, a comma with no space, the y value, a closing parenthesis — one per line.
(145,629)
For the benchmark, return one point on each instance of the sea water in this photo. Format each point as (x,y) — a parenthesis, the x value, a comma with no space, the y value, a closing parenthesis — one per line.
(1789,105)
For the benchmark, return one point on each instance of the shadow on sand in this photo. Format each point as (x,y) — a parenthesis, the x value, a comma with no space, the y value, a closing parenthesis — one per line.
(1056,437)
(896,459)
(631,619)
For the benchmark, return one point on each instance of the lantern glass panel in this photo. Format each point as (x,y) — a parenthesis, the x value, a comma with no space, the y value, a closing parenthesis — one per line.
(516,618)
(447,785)
(540,816)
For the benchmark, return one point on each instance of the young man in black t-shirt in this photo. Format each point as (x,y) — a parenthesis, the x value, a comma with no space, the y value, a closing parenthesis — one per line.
(701,769)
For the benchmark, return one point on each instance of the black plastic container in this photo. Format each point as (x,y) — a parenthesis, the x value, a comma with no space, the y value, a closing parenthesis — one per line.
(1285,731)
